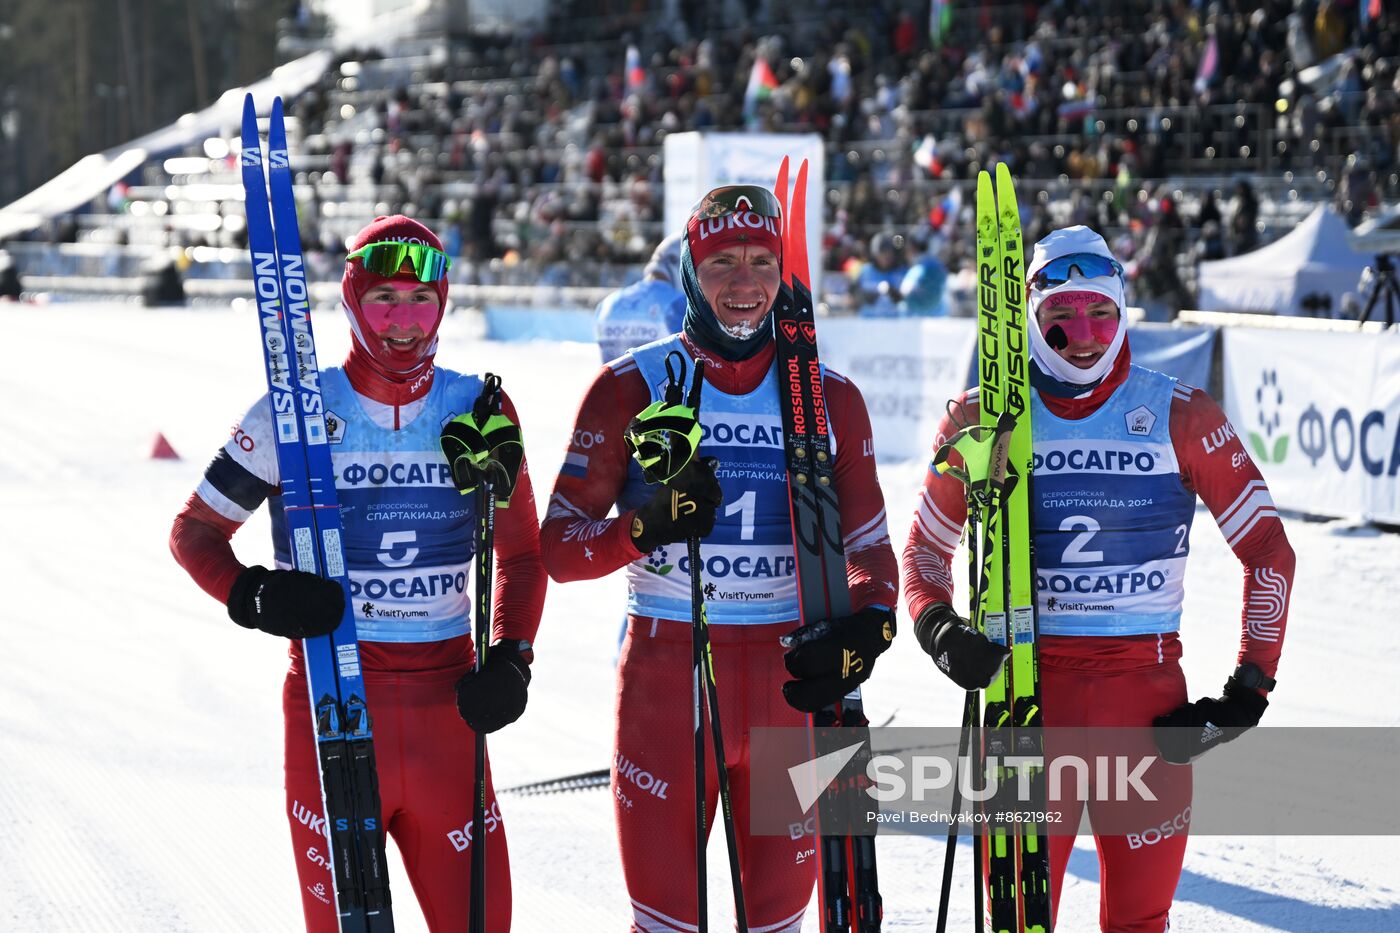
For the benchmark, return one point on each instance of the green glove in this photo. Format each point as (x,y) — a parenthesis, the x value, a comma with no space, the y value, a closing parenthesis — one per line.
(665,435)
(484,445)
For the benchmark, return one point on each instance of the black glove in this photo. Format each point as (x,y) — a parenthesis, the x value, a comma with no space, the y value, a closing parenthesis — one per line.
(287,603)
(683,508)
(969,658)
(495,696)
(832,657)
(1192,729)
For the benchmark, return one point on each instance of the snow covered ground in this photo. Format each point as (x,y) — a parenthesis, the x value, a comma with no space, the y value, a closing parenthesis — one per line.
(140,731)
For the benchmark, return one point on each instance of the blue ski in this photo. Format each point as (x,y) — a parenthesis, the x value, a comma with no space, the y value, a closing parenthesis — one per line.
(340,716)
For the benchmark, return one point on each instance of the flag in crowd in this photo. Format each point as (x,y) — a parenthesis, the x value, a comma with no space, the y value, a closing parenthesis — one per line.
(634,75)
(762,81)
(940,17)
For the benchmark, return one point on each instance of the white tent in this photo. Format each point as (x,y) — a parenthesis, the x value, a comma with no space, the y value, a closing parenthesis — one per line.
(1314,260)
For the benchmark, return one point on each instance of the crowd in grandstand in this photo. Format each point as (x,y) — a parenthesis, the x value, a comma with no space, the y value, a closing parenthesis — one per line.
(1180,130)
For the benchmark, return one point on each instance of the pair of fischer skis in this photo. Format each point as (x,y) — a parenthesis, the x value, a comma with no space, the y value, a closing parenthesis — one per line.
(1013,857)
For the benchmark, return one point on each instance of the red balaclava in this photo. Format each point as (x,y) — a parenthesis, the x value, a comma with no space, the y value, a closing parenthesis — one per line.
(402,375)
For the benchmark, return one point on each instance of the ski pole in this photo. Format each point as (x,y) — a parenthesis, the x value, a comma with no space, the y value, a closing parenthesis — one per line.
(488,403)
(969,719)
(663,439)
(486,533)
(697,654)
(704,659)
(485,453)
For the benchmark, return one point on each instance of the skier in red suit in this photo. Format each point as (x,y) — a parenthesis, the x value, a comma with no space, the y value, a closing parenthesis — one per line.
(409,540)
(1121,456)
(733,495)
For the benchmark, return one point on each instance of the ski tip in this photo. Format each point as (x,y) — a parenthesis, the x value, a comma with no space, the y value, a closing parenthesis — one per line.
(249,141)
(798,256)
(277,136)
(1007,205)
(780,189)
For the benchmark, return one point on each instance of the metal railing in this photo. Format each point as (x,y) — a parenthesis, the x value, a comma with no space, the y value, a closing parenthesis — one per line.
(323,293)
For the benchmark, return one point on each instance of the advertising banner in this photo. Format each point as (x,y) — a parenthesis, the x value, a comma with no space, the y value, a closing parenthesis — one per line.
(1320,414)
(1183,352)
(906,368)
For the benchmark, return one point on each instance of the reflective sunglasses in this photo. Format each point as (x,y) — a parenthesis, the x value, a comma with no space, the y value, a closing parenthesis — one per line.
(386,259)
(1089,265)
(733,199)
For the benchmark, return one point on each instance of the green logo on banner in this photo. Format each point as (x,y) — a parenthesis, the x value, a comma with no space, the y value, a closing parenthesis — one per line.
(1268,398)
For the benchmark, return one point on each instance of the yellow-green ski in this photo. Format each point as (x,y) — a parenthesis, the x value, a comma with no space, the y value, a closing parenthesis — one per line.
(1033,860)
(1014,857)
(999,851)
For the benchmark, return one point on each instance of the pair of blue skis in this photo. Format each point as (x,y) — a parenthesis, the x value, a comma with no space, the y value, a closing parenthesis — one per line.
(344,737)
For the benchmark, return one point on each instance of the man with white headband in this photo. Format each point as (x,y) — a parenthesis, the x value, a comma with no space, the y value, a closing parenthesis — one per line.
(1079,339)
(1121,454)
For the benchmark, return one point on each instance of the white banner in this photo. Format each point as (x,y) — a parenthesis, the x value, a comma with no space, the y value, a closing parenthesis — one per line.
(907,369)
(1320,414)
(697,162)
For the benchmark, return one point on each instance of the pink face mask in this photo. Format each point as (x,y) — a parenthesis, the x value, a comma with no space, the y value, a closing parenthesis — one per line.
(380,316)
(1080,328)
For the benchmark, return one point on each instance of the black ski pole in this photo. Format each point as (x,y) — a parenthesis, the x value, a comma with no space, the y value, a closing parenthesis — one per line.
(977,839)
(697,663)
(663,440)
(969,719)
(488,403)
(697,652)
(486,533)
(705,659)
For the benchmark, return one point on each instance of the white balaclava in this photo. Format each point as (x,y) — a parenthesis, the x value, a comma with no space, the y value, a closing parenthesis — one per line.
(1067,242)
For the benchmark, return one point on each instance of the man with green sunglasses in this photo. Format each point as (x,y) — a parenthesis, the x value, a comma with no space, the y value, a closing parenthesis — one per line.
(409,540)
